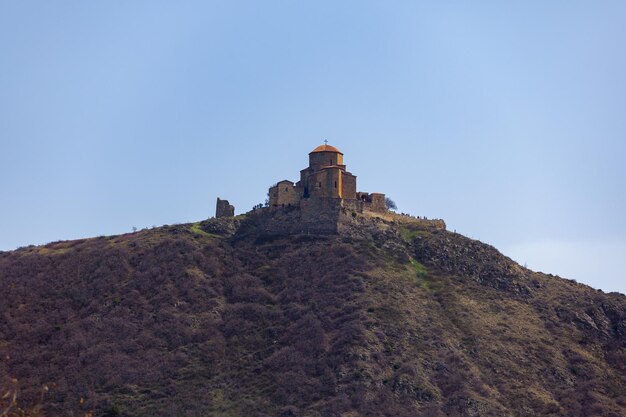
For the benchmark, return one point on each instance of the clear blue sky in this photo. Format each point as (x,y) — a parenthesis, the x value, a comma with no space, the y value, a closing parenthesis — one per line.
(506,119)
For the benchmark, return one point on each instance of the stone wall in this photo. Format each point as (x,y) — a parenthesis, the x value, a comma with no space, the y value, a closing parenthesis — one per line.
(224,209)
(310,219)
(378,202)
(326,216)
(421,222)
(325,183)
(285,194)
(315,216)
(372,202)
(348,185)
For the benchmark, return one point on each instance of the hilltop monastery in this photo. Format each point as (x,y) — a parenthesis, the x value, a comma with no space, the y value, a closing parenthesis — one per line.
(324,184)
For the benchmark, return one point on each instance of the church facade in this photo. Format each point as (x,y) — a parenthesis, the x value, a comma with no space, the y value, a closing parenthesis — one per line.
(325,179)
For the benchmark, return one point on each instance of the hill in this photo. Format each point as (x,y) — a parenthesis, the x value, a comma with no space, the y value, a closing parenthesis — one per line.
(384,319)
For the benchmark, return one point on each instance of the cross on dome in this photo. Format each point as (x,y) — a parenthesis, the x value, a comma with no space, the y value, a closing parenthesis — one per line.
(326,148)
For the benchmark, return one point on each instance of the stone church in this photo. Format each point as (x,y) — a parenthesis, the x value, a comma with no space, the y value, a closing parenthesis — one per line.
(326,178)
(324,201)
(325,187)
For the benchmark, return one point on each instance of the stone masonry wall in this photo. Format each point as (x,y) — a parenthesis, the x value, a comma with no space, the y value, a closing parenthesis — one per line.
(324,217)
(224,209)
(285,194)
(348,184)
(313,217)
(378,202)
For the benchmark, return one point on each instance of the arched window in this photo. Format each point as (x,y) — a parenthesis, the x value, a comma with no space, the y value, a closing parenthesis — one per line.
(335,184)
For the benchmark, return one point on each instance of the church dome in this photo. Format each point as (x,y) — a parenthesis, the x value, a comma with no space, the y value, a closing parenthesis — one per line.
(326,148)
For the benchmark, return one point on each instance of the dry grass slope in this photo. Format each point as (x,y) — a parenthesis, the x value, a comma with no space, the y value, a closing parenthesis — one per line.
(388,320)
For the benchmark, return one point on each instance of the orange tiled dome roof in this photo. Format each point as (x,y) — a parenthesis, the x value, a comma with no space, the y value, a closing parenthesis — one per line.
(326,148)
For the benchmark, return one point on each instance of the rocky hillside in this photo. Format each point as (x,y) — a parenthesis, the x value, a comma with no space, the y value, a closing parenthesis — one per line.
(386,319)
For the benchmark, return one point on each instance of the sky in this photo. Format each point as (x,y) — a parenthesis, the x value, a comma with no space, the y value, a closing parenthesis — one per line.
(506,119)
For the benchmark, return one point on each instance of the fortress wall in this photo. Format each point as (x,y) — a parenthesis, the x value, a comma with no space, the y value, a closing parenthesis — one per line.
(372,202)
(407,219)
(314,216)
(320,215)
(326,216)
(378,203)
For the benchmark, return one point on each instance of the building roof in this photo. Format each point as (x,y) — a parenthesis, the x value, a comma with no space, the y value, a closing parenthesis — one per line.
(326,148)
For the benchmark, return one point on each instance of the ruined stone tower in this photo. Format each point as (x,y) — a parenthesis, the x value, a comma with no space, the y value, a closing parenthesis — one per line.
(224,209)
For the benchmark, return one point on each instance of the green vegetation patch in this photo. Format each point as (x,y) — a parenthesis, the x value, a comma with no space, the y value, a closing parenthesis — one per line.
(195,228)
(422,277)
(420,269)
(408,233)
